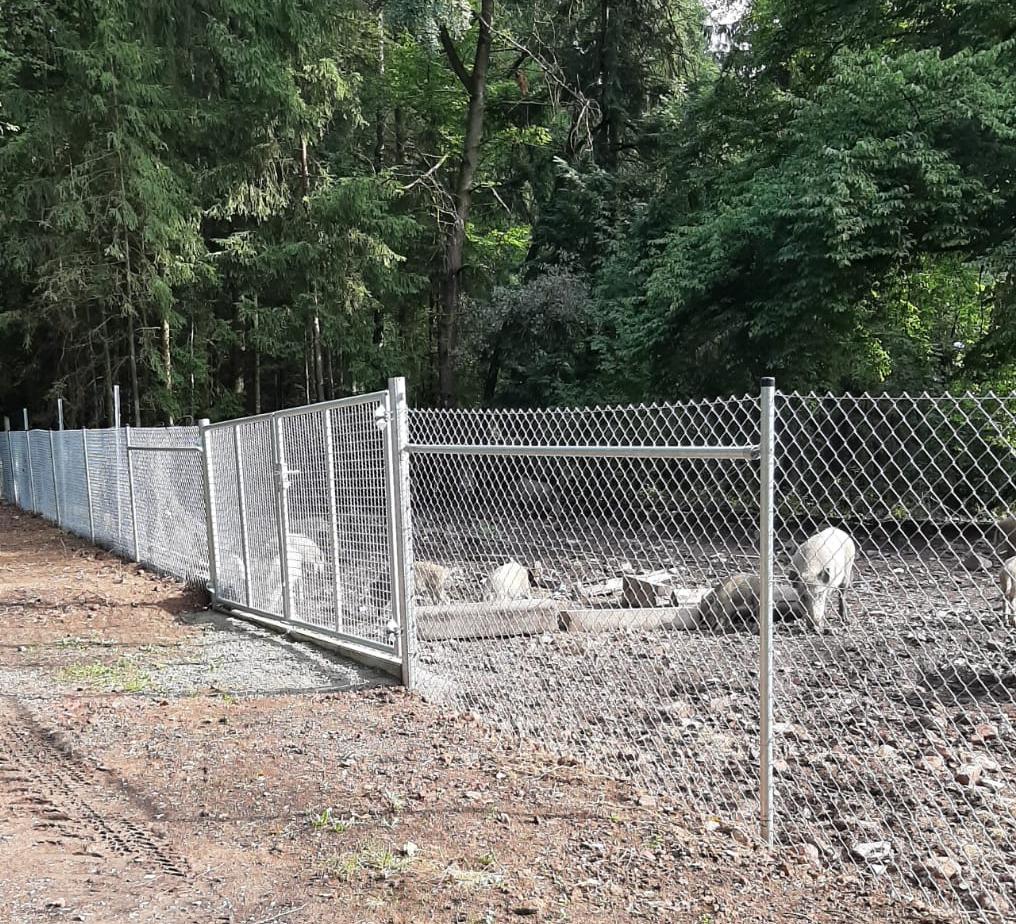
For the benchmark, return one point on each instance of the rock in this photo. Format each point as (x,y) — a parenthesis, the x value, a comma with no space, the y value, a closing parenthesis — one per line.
(942,868)
(933,763)
(871,851)
(968,774)
(809,854)
(992,902)
(974,562)
(509,582)
(985,732)
(409,849)
(642,590)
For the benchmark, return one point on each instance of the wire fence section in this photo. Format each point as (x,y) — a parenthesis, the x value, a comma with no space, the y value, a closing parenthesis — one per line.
(594,579)
(561,557)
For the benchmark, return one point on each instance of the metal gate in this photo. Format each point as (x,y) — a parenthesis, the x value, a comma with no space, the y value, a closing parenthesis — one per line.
(306,509)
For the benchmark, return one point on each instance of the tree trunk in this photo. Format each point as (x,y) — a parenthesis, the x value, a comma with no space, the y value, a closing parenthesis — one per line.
(132,358)
(107,362)
(475,83)
(257,363)
(167,367)
(319,366)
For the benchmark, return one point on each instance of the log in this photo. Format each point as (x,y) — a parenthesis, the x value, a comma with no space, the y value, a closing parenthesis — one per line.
(612,619)
(487,620)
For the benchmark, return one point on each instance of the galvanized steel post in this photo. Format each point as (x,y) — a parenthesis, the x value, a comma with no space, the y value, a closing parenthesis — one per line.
(208,485)
(767,468)
(402,575)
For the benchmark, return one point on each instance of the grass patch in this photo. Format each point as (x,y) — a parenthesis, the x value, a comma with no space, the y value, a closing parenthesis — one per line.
(380,861)
(326,821)
(122,675)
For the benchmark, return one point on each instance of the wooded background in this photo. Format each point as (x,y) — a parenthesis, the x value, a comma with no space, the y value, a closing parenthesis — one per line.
(230,206)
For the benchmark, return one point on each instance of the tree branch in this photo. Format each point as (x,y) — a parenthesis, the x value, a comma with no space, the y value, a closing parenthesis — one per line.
(454,60)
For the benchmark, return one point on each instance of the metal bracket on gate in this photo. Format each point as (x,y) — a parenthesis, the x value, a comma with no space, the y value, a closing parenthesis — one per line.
(381,417)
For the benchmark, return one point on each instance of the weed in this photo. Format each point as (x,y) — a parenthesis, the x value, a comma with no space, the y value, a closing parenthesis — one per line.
(122,675)
(487,860)
(326,821)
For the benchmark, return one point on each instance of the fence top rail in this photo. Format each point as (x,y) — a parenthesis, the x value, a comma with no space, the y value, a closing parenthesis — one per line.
(372,398)
(746,453)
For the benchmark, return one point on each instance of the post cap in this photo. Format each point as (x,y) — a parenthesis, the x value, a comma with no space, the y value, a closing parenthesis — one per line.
(204,422)
(768,381)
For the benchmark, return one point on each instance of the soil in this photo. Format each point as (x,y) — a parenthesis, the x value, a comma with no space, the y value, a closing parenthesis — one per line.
(895,733)
(162,764)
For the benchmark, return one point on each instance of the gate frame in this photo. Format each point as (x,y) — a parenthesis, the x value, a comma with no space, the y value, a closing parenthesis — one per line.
(363,650)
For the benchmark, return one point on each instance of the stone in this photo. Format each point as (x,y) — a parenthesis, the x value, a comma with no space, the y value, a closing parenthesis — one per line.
(972,561)
(933,763)
(942,868)
(645,590)
(968,774)
(985,731)
(409,849)
(871,851)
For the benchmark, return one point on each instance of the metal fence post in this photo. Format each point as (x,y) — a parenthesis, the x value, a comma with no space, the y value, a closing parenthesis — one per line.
(119,467)
(56,485)
(209,492)
(767,469)
(130,489)
(31,473)
(282,513)
(88,485)
(402,538)
(333,516)
(241,494)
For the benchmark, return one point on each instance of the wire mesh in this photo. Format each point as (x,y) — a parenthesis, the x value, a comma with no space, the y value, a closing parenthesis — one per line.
(22,470)
(555,594)
(44,486)
(110,489)
(6,468)
(168,488)
(898,751)
(72,489)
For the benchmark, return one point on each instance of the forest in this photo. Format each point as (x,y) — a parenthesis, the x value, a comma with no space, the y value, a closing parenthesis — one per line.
(231,206)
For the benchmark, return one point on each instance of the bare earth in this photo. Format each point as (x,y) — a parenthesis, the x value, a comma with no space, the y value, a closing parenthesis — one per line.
(162,766)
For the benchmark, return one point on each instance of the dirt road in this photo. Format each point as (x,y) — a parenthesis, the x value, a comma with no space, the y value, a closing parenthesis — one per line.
(159,763)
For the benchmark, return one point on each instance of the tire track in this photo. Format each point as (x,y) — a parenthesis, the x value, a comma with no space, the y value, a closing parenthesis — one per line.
(70,801)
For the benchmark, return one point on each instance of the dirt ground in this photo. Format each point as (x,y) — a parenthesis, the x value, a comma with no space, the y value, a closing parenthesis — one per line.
(160,764)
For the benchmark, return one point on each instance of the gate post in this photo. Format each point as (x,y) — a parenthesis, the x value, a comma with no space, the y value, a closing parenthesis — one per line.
(767,470)
(210,519)
(402,530)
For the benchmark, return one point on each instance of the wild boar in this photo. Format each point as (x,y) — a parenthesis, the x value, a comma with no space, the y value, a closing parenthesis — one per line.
(823,563)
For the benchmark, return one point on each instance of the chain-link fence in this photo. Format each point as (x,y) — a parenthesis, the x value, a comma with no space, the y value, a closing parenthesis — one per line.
(594,579)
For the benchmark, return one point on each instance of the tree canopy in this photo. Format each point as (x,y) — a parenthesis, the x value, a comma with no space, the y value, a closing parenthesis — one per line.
(229,207)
